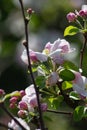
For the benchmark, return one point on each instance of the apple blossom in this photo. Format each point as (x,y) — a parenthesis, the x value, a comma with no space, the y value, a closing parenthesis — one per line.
(30,97)
(80,84)
(52,79)
(15,126)
(55,51)
(58,50)
(30,90)
(34,57)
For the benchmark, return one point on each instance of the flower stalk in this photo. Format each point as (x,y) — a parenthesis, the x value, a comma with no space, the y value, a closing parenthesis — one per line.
(26,21)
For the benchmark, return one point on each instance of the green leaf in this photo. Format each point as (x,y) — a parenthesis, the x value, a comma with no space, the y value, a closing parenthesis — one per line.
(67,75)
(78,113)
(55,101)
(74,95)
(66,85)
(71,30)
(40,81)
(70,65)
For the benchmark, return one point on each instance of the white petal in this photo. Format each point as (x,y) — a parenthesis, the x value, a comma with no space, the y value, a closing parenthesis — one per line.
(41,57)
(30,90)
(79,90)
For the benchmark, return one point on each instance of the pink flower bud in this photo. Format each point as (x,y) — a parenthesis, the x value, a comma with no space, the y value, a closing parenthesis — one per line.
(12,105)
(71,17)
(83,13)
(30,11)
(22,105)
(22,93)
(44,106)
(22,113)
(13,100)
(2,92)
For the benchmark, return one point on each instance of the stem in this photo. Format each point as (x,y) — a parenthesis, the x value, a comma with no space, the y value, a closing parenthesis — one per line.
(5,126)
(59,112)
(30,68)
(82,50)
(79,24)
(5,109)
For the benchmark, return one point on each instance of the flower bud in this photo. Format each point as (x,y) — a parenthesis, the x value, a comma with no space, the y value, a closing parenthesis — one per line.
(30,11)
(2,92)
(71,17)
(83,13)
(13,100)
(22,93)
(22,105)
(22,113)
(12,105)
(44,106)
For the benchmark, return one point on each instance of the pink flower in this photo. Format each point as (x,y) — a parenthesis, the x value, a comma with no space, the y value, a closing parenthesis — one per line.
(34,57)
(80,84)
(33,101)
(30,98)
(58,50)
(71,17)
(52,79)
(30,90)
(55,51)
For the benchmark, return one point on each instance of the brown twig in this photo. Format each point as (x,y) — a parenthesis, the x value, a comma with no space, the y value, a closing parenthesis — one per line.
(67,100)
(82,50)
(30,68)
(59,112)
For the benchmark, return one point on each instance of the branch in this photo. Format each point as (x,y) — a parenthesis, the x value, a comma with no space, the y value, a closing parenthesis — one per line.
(68,101)
(59,112)
(30,68)
(82,50)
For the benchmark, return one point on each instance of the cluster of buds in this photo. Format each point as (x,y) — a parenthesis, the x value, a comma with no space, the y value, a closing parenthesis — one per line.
(14,99)
(72,17)
(26,102)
